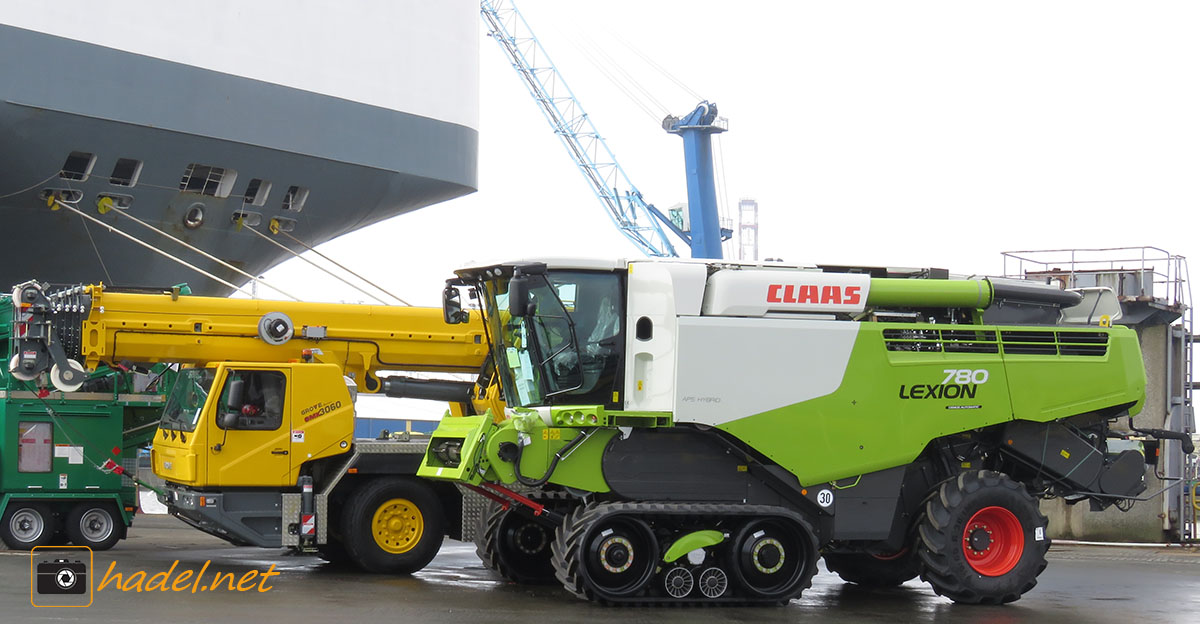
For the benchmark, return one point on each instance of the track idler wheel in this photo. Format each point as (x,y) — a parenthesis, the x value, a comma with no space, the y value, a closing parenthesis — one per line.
(774,559)
(982,539)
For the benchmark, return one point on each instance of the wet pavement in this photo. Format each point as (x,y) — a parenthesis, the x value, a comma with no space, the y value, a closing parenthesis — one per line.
(1085,584)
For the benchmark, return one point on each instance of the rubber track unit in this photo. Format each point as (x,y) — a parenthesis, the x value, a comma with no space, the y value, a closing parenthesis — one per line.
(940,546)
(568,547)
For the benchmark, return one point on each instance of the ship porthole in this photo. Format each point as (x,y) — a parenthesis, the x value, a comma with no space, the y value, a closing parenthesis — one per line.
(194,217)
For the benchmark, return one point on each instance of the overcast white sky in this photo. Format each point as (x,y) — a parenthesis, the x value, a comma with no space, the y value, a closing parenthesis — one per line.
(895,133)
(890,133)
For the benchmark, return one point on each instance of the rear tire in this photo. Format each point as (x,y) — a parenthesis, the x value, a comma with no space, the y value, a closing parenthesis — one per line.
(869,570)
(94,524)
(26,525)
(982,539)
(393,526)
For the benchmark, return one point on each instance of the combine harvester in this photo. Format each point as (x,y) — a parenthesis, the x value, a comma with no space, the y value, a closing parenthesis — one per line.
(691,432)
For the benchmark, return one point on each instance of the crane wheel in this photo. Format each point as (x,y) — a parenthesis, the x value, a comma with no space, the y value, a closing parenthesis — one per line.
(393,526)
(26,525)
(869,570)
(515,545)
(95,524)
(982,539)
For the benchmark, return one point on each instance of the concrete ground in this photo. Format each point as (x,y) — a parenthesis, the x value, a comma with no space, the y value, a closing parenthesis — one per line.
(1085,584)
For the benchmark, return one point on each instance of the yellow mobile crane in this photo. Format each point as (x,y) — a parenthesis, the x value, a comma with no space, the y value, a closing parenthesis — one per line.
(256,441)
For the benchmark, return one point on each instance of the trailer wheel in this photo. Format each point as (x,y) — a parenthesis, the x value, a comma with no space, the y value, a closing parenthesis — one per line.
(874,570)
(982,539)
(26,525)
(95,525)
(393,526)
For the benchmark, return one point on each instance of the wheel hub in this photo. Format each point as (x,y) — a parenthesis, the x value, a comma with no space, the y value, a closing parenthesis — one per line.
(397,526)
(616,554)
(531,539)
(993,541)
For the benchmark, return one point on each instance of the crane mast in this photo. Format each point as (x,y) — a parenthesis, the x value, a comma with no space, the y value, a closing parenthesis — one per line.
(639,221)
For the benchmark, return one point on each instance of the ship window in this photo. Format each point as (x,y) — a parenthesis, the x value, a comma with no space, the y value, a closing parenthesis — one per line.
(256,192)
(77,166)
(248,218)
(294,198)
(66,196)
(34,447)
(116,200)
(280,224)
(206,180)
(126,172)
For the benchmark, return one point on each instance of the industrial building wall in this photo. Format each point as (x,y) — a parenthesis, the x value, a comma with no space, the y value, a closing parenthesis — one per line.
(1145,522)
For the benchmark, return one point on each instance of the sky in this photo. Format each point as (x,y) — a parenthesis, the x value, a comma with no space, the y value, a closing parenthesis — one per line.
(877,133)
(929,134)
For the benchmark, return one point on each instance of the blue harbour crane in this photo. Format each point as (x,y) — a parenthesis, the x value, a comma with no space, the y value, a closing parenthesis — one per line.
(639,221)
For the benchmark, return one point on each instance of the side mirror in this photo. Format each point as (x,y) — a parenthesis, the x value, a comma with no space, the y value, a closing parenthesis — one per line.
(233,401)
(518,296)
(228,420)
(452,311)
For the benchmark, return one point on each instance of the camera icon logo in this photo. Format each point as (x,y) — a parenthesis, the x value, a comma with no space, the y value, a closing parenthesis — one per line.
(59,577)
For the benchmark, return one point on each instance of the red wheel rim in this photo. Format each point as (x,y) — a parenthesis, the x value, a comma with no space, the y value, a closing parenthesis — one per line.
(993,541)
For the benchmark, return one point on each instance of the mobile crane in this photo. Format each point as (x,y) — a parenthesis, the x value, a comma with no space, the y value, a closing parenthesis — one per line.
(703,432)
(255,440)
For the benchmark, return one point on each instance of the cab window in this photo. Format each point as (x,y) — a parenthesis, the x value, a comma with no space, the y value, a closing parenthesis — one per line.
(253,400)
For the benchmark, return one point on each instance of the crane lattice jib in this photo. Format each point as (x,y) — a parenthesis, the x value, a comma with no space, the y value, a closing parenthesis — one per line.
(628,211)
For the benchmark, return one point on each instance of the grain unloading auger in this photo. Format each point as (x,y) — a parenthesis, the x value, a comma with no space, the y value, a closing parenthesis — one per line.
(681,431)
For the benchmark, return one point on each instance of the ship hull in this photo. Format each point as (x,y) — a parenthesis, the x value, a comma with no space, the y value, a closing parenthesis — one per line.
(356,163)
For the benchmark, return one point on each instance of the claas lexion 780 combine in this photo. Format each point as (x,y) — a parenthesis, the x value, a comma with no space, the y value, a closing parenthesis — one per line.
(692,432)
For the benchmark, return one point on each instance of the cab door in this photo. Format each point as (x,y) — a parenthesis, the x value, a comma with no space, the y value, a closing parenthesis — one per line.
(248,434)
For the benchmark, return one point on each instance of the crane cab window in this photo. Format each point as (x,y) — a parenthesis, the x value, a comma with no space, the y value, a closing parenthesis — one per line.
(252,400)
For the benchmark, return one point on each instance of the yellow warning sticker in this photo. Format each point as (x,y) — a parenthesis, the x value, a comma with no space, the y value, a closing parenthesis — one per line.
(1065,454)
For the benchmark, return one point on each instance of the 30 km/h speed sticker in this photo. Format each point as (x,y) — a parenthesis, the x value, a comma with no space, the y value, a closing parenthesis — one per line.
(825,498)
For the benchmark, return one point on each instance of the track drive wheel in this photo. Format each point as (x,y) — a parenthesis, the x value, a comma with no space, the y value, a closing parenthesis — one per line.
(869,570)
(982,539)
(95,524)
(605,557)
(26,525)
(515,545)
(774,559)
(393,526)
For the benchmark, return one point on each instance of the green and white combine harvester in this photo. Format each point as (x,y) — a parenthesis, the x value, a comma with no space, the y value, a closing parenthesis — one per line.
(704,432)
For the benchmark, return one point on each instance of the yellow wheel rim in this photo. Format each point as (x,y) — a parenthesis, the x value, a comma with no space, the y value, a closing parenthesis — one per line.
(397,526)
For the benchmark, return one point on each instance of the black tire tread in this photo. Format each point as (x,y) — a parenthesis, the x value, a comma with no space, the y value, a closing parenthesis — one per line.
(937,550)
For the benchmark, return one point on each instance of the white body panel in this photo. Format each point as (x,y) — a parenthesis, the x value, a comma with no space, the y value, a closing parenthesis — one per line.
(776,362)
(416,56)
(758,292)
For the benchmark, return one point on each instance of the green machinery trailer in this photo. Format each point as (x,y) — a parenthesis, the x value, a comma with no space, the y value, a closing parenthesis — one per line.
(67,458)
(703,432)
